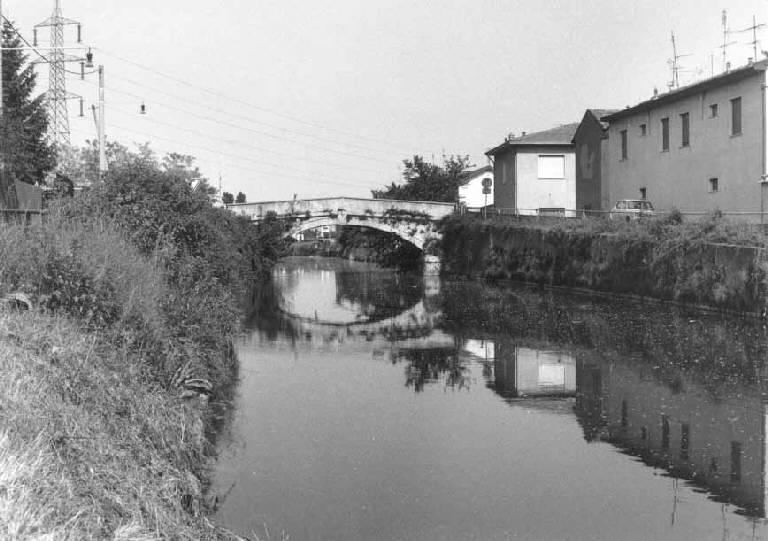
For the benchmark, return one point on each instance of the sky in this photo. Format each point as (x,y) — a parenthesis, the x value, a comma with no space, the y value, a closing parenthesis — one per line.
(321,98)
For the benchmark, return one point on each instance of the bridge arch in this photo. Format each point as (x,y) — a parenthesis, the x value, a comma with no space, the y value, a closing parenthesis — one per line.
(410,234)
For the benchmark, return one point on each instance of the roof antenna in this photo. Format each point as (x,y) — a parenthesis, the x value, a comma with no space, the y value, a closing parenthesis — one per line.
(754,28)
(726,43)
(675,65)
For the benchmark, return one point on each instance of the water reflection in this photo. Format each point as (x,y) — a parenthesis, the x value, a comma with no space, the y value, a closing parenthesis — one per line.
(716,442)
(364,420)
(520,372)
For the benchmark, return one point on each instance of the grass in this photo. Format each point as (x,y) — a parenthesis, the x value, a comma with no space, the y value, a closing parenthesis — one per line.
(89,447)
(96,441)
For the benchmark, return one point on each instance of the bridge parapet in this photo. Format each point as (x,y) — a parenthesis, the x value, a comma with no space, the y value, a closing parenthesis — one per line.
(348,206)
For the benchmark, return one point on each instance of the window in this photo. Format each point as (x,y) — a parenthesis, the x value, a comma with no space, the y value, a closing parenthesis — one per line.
(623,144)
(712,185)
(713,111)
(736,116)
(664,134)
(643,130)
(685,441)
(735,462)
(685,124)
(624,414)
(503,171)
(552,166)
(664,432)
(643,194)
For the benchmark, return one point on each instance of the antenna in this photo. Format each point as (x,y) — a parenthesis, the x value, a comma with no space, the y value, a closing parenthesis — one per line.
(726,43)
(754,28)
(675,65)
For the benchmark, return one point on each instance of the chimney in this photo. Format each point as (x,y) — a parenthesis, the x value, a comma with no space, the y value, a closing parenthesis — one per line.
(727,66)
(655,92)
(522,134)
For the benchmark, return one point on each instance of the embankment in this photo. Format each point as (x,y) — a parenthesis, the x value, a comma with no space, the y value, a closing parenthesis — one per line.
(712,262)
(106,424)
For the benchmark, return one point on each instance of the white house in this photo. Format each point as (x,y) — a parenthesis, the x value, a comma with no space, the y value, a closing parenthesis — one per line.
(536,172)
(471,191)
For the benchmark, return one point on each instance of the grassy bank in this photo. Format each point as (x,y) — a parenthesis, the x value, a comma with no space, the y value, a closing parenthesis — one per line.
(104,411)
(712,261)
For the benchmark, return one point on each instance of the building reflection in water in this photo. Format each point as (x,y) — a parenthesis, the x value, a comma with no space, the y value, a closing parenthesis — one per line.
(520,372)
(714,440)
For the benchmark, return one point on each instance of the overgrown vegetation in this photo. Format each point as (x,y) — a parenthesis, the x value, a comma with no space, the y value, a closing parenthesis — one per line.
(135,286)
(711,261)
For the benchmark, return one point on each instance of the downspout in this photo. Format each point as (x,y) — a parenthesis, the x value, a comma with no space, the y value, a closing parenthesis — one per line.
(764,175)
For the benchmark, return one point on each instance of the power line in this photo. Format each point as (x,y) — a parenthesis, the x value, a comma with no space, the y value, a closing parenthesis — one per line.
(235,156)
(252,130)
(246,118)
(245,144)
(257,107)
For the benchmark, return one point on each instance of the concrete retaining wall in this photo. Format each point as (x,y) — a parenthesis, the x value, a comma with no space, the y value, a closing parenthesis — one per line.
(718,275)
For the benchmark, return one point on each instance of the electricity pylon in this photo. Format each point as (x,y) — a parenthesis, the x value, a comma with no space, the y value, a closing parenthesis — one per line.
(58,117)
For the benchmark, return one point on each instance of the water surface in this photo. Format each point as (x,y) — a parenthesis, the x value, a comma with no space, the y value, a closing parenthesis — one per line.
(376,405)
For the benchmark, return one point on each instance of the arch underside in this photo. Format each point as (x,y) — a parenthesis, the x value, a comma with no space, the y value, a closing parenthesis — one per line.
(416,239)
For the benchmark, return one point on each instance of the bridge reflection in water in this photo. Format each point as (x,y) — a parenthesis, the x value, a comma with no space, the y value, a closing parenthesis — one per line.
(708,430)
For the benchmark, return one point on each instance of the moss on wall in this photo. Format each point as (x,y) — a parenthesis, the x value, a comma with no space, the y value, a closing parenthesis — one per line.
(663,261)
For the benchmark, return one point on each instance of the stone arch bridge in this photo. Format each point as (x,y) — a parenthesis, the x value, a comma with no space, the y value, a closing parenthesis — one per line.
(413,221)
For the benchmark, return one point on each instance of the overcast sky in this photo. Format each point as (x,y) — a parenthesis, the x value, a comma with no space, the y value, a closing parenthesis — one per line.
(324,98)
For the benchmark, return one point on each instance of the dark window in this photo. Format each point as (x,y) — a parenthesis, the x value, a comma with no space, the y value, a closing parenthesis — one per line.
(664,134)
(736,116)
(713,111)
(735,462)
(685,441)
(664,432)
(623,144)
(685,122)
(643,130)
(712,185)
(643,193)
(624,414)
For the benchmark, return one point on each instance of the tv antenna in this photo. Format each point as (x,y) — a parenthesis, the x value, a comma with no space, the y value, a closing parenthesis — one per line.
(754,28)
(674,63)
(726,43)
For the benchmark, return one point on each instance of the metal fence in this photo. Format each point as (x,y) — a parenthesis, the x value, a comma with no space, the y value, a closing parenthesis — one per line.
(548,214)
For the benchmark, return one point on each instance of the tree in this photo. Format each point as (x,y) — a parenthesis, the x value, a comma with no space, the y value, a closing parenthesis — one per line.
(240,197)
(26,153)
(227,198)
(425,181)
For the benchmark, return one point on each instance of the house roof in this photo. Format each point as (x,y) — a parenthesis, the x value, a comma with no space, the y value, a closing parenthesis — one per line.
(695,88)
(466,176)
(559,136)
(600,113)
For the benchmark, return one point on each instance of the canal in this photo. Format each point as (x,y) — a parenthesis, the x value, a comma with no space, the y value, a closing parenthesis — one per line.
(382,406)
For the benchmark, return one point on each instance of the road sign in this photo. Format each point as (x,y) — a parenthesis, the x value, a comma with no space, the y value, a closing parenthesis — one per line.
(486,189)
(487,183)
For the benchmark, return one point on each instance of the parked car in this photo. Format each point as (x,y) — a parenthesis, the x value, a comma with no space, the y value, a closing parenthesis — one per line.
(630,209)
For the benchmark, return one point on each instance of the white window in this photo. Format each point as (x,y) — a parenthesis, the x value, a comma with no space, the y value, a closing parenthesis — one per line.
(551,166)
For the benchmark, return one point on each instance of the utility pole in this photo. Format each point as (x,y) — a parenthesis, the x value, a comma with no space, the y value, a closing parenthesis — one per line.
(102,135)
